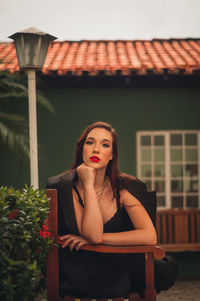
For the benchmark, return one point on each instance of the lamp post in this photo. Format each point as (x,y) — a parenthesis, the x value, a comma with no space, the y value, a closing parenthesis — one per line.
(31,47)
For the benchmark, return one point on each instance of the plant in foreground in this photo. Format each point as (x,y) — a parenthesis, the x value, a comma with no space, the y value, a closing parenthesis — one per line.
(25,240)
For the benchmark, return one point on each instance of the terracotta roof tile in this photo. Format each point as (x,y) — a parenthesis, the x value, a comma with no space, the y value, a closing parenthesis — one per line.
(113,63)
(91,62)
(114,57)
(179,62)
(69,58)
(164,55)
(144,57)
(135,62)
(155,56)
(102,60)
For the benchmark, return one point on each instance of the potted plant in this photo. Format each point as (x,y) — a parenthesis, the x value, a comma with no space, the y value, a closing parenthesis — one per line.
(25,241)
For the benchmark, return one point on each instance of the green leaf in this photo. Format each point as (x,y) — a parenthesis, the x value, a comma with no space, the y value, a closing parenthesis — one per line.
(14,132)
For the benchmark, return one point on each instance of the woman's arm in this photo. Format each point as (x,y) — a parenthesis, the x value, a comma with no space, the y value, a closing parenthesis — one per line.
(144,233)
(90,222)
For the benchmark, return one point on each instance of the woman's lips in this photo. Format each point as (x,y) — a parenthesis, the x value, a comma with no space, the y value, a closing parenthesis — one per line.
(94,159)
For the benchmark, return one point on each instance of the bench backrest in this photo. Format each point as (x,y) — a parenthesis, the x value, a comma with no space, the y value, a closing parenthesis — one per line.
(176,226)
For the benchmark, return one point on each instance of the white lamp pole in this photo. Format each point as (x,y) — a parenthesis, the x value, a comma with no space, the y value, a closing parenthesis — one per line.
(31,47)
(33,128)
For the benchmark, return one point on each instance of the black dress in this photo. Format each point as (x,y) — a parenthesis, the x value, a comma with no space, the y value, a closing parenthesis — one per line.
(90,274)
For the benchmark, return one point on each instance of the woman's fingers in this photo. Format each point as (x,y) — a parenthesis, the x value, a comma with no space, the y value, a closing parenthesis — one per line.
(68,240)
(66,236)
(72,241)
(80,244)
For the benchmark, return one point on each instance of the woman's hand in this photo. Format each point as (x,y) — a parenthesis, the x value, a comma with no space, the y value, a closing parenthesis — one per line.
(73,241)
(86,174)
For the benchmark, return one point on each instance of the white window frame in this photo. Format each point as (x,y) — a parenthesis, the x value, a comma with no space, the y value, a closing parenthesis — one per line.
(167,162)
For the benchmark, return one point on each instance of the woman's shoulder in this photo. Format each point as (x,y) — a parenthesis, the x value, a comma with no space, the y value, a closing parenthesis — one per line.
(66,177)
(131,183)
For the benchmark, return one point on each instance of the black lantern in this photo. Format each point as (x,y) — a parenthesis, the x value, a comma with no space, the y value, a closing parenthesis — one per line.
(31,47)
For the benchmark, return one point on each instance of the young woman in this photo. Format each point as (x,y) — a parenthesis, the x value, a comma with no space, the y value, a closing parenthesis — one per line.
(101,206)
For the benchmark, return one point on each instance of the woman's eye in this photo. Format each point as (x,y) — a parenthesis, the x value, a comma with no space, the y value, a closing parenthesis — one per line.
(89,142)
(106,145)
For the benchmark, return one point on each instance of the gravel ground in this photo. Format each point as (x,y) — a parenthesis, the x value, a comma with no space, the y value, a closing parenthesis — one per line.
(182,290)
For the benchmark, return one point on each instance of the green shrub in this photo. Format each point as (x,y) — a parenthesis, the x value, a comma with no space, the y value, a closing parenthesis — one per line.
(24,243)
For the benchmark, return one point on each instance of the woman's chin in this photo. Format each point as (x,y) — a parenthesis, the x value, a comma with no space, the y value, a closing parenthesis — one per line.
(96,166)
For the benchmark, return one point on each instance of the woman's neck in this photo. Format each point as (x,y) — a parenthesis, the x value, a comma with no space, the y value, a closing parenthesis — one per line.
(99,179)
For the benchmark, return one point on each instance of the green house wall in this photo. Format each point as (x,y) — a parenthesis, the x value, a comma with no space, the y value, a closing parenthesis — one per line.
(127,109)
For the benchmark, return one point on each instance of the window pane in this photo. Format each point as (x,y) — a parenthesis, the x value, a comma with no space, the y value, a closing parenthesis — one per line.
(159,155)
(161,201)
(146,171)
(176,170)
(191,139)
(146,154)
(159,140)
(176,139)
(149,187)
(176,186)
(191,186)
(177,202)
(176,154)
(159,170)
(146,140)
(160,186)
(191,154)
(191,170)
(192,201)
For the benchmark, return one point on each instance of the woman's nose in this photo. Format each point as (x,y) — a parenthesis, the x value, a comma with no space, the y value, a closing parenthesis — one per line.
(96,148)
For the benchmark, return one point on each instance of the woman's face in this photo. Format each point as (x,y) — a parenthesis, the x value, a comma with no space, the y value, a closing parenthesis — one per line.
(97,149)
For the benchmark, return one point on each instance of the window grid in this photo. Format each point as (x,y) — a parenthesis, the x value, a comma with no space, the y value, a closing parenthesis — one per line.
(186,179)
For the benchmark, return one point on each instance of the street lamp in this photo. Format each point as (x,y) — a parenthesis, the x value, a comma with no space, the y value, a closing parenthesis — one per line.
(31,47)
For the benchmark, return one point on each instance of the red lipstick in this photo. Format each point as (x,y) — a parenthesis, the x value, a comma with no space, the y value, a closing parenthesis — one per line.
(94,159)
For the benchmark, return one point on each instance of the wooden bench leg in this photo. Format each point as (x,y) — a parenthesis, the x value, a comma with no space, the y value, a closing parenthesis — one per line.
(150,293)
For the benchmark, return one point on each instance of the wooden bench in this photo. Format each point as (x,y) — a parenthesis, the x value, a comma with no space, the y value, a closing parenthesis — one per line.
(178,230)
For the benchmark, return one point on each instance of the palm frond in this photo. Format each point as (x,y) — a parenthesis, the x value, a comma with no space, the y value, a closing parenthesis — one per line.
(13,140)
(11,84)
(14,127)
(13,95)
(12,117)
(45,103)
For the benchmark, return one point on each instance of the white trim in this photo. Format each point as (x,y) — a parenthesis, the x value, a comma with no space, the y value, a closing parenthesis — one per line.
(167,166)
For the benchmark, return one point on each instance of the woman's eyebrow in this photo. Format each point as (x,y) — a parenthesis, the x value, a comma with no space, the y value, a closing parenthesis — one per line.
(108,140)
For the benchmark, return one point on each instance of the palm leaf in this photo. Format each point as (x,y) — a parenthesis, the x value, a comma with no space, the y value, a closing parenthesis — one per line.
(16,142)
(12,117)
(14,127)
(11,84)
(45,103)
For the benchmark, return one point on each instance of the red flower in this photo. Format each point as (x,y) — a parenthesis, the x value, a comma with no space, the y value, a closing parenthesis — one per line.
(44,232)
(13,214)
(45,227)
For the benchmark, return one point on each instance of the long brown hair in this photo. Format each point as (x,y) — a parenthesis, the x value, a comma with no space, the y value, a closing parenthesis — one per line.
(112,170)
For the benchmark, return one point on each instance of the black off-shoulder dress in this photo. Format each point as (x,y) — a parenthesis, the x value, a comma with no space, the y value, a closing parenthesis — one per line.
(90,274)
